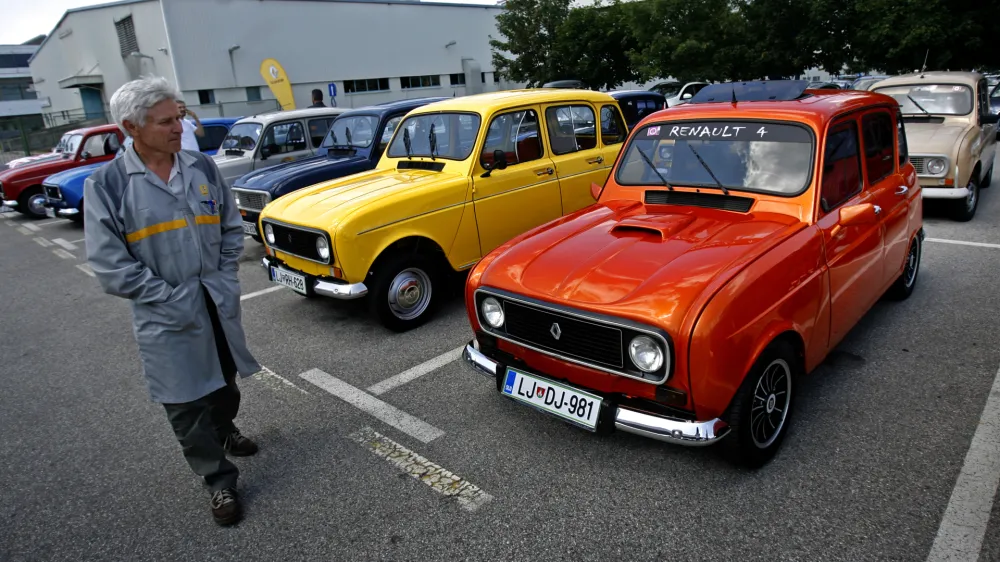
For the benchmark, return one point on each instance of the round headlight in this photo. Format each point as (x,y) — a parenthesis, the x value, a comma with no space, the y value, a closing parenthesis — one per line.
(492,312)
(322,248)
(645,353)
(936,165)
(269,233)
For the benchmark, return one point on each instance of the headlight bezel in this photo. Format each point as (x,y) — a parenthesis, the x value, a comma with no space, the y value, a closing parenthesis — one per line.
(486,314)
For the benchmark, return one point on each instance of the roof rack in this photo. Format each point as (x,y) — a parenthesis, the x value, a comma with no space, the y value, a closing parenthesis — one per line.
(756,90)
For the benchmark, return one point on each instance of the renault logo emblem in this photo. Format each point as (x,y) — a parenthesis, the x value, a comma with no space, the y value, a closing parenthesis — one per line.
(555,330)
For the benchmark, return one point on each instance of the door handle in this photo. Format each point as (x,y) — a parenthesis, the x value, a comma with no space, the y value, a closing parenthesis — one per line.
(878,210)
(544,171)
(902,190)
(598,160)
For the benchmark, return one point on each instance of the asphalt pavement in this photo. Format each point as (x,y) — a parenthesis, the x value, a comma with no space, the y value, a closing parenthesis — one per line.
(91,470)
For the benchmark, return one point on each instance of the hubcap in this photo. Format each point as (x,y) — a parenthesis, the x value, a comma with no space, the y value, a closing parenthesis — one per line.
(770,403)
(36,204)
(970,201)
(409,293)
(912,262)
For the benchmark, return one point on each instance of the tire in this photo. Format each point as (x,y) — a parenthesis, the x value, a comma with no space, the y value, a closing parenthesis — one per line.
(757,427)
(30,203)
(903,287)
(405,291)
(257,238)
(965,209)
(987,178)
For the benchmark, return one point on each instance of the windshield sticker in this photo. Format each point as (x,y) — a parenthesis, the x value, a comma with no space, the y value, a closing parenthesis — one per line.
(653,131)
(739,131)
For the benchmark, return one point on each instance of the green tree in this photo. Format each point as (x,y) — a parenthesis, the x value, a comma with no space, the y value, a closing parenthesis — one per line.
(594,43)
(529,31)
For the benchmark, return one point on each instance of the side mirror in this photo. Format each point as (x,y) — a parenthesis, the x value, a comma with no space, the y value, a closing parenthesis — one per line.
(595,191)
(855,215)
(85,156)
(499,160)
(686,96)
(265,152)
(989,118)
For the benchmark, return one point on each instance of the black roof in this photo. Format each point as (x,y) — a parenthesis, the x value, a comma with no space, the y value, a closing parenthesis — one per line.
(756,90)
(632,94)
(392,106)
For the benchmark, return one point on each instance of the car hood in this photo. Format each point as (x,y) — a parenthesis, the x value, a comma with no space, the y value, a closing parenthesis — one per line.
(629,260)
(324,204)
(933,137)
(32,169)
(62,178)
(222,158)
(265,178)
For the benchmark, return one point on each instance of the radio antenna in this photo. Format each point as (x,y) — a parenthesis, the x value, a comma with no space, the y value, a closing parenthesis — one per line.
(924,67)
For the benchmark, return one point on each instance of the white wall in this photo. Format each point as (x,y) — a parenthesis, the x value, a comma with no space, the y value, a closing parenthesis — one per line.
(321,42)
(91,47)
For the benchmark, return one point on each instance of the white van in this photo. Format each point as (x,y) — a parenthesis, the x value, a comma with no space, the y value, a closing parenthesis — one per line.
(272,138)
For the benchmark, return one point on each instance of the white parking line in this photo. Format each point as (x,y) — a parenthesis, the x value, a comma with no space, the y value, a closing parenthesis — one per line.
(51,222)
(42,242)
(416,372)
(77,241)
(412,426)
(261,292)
(469,496)
(961,242)
(64,244)
(960,536)
(86,269)
(23,230)
(267,375)
(32,227)
(63,254)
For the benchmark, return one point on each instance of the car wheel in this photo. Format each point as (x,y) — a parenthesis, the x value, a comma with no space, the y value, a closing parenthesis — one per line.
(760,413)
(32,202)
(965,209)
(987,177)
(907,280)
(404,291)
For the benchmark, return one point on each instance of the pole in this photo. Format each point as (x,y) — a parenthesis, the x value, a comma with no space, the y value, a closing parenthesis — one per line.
(24,137)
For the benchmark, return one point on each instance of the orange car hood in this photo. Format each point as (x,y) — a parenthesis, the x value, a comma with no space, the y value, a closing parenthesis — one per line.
(648,263)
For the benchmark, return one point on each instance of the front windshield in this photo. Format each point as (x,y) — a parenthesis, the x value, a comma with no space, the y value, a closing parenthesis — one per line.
(668,90)
(743,155)
(243,136)
(357,131)
(937,99)
(453,139)
(68,144)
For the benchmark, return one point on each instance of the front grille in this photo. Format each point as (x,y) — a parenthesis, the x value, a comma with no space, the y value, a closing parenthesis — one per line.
(577,338)
(301,243)
(918,164)
(252,200)
(52,192)
(710,200)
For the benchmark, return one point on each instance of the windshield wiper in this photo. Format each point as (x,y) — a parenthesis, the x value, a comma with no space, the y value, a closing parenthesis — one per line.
(432,139)
(336,146)
(652,167)
(918,105)
(709,170)
(406,143)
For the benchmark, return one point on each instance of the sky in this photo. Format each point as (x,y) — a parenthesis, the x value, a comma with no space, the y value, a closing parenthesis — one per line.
(23,20)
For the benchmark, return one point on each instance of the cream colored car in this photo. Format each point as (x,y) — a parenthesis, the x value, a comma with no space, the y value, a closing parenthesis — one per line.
(950,134)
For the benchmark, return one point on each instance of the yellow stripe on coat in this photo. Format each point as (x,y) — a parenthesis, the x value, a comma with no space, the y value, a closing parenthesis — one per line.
(162,227)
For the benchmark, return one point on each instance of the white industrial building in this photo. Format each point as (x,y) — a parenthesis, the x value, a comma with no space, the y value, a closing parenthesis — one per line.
(373,51)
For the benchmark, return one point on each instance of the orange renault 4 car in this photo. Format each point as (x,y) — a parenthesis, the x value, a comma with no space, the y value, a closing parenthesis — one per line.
(737,240)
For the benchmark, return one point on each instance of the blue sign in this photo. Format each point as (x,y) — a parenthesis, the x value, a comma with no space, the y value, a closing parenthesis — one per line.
(332,88)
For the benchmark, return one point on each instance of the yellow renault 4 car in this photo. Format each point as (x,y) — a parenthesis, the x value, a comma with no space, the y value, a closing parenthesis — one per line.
(458,178)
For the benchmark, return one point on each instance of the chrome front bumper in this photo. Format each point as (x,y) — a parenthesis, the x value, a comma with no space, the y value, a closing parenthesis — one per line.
(661,428)
(342,291)
(68,212)
(944,192)
(10,204)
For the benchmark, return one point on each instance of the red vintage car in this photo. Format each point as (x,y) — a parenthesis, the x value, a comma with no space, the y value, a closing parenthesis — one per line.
(21,187)
(736,241)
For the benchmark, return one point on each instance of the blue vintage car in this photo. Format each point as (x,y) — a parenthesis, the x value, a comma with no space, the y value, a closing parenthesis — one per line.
(64,191)
(349,147)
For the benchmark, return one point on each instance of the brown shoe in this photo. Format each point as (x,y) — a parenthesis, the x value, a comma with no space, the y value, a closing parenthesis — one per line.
(226,507)
(238,445)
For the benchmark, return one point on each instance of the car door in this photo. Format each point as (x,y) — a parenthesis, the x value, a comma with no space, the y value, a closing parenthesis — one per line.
(987,131)
(521,196)
(853,251)
(571,133)
(885,181)
(614,131)
(284,141)
(318,128)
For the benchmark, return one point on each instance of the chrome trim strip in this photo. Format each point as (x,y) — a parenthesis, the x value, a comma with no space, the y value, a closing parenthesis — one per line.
(661,428)
(479,362)
(297,227)
(668,371)
(410,217)
(340,291)
(68,212)
(512,190)
(9,203)
(468,265)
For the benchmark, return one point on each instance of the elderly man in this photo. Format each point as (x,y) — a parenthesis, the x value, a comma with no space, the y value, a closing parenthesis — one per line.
(163,231)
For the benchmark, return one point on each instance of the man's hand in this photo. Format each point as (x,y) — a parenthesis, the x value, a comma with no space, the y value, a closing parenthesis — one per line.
(200,131)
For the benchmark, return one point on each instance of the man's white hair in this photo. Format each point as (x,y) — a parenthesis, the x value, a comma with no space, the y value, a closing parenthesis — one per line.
(134,99)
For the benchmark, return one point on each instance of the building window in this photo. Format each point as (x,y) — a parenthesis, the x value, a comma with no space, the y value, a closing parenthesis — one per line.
(496,77)
(206,97)
(127,42)
(366,85)
(457,79)
(253,93)
(14,60)
(429,81)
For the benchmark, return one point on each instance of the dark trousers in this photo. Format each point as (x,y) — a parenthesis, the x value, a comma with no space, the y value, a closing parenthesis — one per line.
(201,426)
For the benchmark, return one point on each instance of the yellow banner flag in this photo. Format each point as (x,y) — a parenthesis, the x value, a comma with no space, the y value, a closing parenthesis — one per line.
(277,80)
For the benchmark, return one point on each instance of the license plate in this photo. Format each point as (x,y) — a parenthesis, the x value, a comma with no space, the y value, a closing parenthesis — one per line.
(50,212)
(293,281)
(249,228)
(559,400)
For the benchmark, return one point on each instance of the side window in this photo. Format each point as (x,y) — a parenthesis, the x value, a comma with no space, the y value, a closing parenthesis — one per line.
(390,127)
(571,128)
(94,145)
(516,134)
(613,129)
(841,166)
(877,129)
(904,154)
(318,129)
(214,134)
(285,137)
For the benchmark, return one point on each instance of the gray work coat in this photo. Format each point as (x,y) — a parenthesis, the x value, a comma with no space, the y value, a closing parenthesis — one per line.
(158,250)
